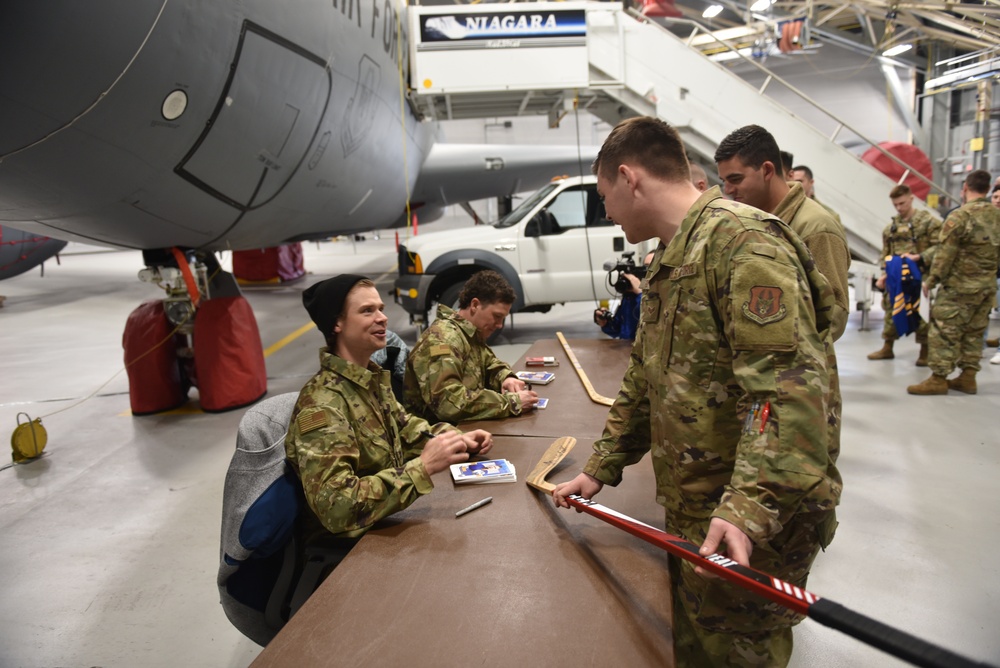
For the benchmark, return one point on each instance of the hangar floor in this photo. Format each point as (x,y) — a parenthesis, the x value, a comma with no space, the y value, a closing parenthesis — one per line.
(110,541)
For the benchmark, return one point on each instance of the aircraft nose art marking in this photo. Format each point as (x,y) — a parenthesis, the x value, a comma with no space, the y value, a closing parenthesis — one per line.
(267,117)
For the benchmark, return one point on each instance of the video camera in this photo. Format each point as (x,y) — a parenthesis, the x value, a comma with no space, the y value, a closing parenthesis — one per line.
(617,270)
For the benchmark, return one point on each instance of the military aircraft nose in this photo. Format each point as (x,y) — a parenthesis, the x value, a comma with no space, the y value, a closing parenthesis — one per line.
(59,58)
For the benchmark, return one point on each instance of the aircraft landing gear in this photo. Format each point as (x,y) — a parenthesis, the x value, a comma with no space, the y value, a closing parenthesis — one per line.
(203,334)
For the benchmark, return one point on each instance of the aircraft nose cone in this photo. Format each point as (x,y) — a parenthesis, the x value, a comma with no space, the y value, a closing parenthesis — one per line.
(59,57)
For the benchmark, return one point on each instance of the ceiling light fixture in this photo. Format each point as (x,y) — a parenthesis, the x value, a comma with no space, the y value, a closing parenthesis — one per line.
(896,50)
(760,5)
(712,11)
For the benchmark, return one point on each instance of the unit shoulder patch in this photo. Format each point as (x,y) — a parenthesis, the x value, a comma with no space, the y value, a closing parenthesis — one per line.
(440,349)
(764,305)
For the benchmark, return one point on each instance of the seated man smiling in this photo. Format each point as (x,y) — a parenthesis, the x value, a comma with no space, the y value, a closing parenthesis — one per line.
(360,456)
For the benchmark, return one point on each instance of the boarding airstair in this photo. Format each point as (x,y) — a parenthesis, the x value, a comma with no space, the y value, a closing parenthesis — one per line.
(527,58)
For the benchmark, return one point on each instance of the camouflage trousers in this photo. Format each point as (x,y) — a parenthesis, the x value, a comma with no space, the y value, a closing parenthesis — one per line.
(958,320)
(889,329)
(719,624)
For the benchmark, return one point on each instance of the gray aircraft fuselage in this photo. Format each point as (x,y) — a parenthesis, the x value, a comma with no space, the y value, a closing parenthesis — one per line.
(208,125)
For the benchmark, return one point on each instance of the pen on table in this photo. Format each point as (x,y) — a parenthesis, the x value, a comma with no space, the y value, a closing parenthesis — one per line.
(763,415)
(477,504)
(529,386)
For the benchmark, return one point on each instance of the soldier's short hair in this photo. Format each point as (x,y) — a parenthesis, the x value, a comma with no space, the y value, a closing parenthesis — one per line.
(802,168)
(753,145)
(978,181)
(488,287)
(647,142)
(787,160)
(899,191)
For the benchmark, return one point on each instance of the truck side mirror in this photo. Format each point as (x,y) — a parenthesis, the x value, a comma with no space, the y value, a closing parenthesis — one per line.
(533,228)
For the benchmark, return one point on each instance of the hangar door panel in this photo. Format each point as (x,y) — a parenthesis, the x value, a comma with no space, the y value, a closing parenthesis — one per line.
(264,124)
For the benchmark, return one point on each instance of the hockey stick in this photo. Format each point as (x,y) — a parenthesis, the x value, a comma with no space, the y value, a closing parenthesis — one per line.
(591,392)
(898,643)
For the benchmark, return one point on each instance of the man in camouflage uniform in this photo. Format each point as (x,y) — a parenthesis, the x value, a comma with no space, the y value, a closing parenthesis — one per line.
(912,235)
(727,387)
(749,166)
(745,159)
(804,175)
(452,374)
(965,268)
(359,455)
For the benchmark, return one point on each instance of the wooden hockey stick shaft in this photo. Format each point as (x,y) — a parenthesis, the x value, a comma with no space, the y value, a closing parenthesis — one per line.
(872,632)
(591,392)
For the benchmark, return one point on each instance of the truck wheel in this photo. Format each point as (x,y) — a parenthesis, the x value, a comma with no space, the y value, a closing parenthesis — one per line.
(449,298)
(450,295)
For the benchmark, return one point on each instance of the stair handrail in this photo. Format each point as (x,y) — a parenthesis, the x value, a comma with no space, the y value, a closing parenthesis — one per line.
(771,76)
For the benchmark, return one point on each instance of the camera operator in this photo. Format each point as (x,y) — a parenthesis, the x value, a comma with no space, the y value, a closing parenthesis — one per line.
(625,321)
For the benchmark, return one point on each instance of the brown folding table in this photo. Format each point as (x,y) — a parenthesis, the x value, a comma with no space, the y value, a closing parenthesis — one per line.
(514,583)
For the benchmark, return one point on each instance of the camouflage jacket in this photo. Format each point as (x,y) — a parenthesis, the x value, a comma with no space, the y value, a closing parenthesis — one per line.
(825,238)
(453,376)
(918,235)
(354,447)
(734,315)
(969,249)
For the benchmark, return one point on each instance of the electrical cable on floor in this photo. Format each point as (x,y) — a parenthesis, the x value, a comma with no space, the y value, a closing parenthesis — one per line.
(33,429)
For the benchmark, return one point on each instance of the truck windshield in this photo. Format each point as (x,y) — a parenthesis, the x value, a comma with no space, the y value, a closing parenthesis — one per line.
(527,205)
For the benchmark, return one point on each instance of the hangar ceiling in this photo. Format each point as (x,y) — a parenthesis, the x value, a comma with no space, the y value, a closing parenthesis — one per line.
(874,24)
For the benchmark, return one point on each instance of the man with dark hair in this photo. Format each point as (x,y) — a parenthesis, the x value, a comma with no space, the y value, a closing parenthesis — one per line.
(787,160)
(965,267)
(804,175)
(749,165)
(912,235)
(727,389)
(359,455)
(452,374)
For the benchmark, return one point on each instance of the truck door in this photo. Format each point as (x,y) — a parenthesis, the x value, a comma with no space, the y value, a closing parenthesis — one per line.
(561,256)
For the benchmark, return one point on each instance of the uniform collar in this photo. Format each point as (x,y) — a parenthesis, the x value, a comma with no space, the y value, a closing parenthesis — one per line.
(467,327)
(790,203)
(673,255)
(358,375)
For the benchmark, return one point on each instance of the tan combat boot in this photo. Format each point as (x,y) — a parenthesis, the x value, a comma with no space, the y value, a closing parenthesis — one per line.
(993,343)
(934,385)
(922,357)
(885,353)
(964,383)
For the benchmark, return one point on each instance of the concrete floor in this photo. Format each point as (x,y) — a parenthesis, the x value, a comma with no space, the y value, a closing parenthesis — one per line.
(109,543)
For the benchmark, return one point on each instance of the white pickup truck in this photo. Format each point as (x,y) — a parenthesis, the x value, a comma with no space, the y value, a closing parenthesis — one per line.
(551,248)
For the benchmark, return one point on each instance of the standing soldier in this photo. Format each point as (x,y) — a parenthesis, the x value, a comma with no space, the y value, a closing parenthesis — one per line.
(965,266)
(727,388)
(750,168)
(912,235)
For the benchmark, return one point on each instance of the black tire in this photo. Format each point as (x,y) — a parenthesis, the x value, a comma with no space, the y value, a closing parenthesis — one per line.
(450,299)
(450,296)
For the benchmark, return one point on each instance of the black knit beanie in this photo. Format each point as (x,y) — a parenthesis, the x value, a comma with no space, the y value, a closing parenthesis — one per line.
(325,300)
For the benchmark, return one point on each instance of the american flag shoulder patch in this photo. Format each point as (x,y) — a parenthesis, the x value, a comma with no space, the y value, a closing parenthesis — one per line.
(311,421)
